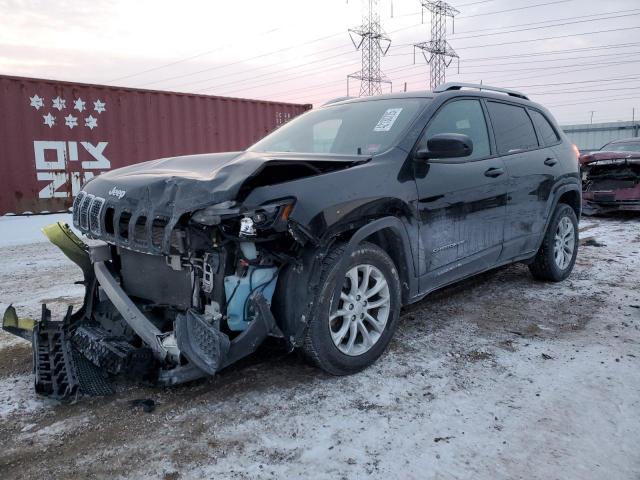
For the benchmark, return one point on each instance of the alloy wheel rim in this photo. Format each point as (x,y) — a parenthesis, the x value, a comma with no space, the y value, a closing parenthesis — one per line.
(362,312)
(564,243)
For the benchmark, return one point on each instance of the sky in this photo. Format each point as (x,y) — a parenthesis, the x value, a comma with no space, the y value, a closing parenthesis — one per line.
(579,58)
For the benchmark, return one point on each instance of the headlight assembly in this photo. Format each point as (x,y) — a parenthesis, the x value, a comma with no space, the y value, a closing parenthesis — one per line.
(269,215)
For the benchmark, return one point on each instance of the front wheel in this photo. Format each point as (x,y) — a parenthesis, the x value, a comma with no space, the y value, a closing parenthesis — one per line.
(349,331)
(557,254)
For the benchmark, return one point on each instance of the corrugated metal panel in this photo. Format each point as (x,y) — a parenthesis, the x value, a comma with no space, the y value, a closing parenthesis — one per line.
(593,136)
(54,135)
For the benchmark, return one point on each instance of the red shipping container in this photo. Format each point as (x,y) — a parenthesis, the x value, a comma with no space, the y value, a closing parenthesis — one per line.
(54,135)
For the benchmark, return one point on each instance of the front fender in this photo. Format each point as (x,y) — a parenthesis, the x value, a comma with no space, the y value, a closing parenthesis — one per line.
(298,284)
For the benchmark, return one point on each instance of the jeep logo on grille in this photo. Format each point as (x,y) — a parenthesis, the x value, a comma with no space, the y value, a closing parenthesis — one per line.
(116,192)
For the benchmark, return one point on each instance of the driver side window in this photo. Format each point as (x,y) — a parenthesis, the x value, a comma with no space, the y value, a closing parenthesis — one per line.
(465,117)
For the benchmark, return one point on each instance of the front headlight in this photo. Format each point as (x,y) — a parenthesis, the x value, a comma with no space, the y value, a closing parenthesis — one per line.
(265,216)
(212,215)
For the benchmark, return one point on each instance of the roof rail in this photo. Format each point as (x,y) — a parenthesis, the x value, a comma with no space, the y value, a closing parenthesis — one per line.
(336,100)
(459,86)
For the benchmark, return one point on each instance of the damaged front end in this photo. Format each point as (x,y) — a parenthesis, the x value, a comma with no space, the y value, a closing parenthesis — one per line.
(164,319)
(177,286)
(611,182)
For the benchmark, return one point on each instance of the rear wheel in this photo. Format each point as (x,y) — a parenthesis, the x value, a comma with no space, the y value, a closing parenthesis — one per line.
(557,254)
(349,331)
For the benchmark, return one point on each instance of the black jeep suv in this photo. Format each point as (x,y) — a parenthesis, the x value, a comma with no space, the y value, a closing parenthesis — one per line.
(321,232)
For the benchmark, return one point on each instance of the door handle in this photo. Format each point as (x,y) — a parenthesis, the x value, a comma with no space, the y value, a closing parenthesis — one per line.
(550,161)
(494,172)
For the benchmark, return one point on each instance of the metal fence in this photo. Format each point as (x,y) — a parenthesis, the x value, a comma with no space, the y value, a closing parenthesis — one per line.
(590,137)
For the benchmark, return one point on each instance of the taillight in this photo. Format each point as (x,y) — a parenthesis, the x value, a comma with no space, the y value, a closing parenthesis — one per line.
(576,151)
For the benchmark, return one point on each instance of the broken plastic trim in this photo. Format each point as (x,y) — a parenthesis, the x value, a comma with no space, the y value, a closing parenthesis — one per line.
(61,235)
(20,327)
(210,349)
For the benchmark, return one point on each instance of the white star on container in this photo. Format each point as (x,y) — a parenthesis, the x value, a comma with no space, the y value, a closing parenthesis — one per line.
(49,119)
(36,102)
(91,122)
(71,121)
(98,106)
(78,104)
(59,103)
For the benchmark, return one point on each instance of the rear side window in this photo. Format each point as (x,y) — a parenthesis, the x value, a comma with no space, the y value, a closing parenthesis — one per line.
(513,128)
(547,132)
(461,116)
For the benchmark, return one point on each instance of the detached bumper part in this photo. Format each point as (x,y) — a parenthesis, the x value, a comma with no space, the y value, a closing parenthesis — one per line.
(60,370)
(210,349)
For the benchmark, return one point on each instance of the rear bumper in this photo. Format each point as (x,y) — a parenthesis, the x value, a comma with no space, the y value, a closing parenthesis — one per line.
(592,207)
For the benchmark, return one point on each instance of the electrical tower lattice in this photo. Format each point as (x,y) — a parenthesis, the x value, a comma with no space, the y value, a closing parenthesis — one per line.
(441,53)
(373,44)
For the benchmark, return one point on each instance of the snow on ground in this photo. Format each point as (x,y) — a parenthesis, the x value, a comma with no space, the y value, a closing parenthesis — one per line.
(25,229)
(499,377)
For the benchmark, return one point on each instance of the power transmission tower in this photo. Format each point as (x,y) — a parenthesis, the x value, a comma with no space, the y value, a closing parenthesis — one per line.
(441,54)
(371,40)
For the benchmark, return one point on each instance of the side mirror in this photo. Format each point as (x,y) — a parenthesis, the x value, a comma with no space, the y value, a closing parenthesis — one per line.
(446,145)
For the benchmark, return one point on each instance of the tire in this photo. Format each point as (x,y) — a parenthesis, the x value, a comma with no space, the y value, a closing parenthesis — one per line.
(321,346)
(547,265)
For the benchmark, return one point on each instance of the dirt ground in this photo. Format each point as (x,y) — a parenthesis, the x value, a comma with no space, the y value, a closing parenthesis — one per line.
(500,377)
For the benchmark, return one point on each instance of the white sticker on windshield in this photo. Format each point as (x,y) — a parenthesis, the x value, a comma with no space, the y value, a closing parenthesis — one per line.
(387,120)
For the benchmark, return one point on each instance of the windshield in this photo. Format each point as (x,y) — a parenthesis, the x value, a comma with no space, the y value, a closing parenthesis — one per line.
(622,147)
(359,128)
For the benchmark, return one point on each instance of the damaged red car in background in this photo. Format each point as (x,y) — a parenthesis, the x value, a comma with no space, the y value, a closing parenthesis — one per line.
(611,178)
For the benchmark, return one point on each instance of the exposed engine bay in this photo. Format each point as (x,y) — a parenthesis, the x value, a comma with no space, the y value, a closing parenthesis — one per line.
(163,318)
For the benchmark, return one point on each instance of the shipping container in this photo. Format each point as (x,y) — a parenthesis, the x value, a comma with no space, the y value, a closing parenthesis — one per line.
(55,135)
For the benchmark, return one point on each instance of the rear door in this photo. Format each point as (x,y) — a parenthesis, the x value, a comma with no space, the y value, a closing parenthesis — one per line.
(531,167)
(462,201)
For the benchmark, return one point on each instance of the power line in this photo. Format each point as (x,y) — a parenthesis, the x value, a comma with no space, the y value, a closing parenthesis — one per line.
(334,56)
(514,9)
(555,37)
(575,82)
(557,52)
(553,52)
(599,100)
(269,53)
(271,66)
(243,60)
(253,70)
(464,32)
(182,60)
(549,26)
(474,3)
(499,11)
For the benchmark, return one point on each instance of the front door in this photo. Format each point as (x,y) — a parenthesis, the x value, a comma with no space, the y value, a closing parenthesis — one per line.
(461,201)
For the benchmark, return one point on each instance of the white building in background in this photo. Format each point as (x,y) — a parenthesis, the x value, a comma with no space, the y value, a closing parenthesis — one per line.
(592,136)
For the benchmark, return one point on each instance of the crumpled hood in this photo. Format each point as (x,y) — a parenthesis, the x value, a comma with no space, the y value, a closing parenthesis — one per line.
(173,186)
(597,156)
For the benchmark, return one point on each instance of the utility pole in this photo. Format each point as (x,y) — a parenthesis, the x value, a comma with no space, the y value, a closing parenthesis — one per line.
(441,54)
(371,40)
(592,112)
